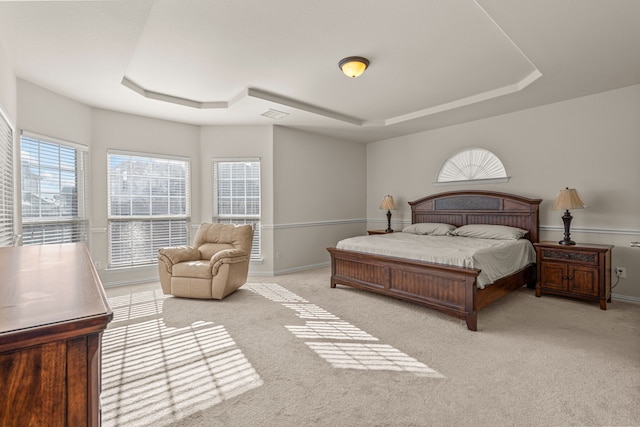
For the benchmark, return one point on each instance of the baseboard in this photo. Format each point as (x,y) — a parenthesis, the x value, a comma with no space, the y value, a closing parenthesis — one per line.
(313,224)
(301,268)
(262,273)
(625,298)
(130,282)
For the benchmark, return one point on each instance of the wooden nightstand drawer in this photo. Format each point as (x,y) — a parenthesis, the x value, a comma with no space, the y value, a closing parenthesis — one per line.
(570,256)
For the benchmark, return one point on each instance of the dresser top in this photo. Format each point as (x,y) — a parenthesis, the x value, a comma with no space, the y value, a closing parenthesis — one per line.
(49,285)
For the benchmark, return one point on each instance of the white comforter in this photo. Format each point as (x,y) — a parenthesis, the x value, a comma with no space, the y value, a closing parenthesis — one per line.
(496,258)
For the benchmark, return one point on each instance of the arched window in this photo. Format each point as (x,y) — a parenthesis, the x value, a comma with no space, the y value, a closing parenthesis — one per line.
(472,164)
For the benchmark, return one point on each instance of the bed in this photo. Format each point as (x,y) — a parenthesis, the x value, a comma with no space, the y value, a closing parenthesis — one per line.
(450,289)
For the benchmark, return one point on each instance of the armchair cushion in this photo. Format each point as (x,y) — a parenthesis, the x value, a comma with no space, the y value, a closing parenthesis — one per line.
(200,269)
(207,250)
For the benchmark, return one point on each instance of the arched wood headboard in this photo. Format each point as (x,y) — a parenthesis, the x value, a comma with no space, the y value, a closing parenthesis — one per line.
(479,207)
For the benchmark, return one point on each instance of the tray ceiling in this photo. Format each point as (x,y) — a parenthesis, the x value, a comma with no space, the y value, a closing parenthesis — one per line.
(433,63)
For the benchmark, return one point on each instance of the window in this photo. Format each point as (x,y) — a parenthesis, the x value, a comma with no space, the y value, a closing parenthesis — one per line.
(473,164)
(6,183)
(54,189)
(148,206)
(236,195)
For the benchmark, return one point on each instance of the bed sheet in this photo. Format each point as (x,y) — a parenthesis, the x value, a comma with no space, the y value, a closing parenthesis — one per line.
(495,258)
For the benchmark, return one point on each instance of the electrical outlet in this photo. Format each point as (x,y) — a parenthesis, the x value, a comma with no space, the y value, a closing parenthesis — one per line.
(98,265)
(621,272)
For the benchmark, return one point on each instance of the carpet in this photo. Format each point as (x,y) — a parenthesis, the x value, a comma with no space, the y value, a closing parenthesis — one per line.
(291,351)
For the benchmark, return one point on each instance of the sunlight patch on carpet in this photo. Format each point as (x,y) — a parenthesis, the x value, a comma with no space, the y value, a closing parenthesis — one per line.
(153,374)
(273,292)
(375,357)
(340,330)
(310,311)
(136,305)
(341,355)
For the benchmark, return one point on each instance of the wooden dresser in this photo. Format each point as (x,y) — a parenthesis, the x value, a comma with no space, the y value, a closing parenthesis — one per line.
(53,311)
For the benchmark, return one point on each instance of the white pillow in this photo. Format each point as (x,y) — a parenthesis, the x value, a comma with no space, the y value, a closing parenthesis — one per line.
(486,231)
(432,228)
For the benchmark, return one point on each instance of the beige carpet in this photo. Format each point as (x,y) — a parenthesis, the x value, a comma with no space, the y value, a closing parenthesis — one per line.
(291,351)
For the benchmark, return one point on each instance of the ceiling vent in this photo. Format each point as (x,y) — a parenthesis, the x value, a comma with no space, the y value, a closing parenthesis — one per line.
(275,114)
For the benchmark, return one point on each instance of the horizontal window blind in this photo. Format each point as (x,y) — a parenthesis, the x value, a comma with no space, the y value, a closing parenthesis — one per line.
(54,191)
(148,206)
(136,242)
(236,196)
(6,183)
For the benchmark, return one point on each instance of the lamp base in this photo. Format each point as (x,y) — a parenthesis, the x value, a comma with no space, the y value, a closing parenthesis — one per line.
(566,242)
(389,229)
(566,219)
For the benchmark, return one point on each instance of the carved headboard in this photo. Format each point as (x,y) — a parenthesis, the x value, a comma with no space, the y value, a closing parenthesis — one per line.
(479,207)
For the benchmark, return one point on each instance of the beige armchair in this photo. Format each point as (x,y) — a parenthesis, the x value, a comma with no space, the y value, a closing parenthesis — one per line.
(216,265)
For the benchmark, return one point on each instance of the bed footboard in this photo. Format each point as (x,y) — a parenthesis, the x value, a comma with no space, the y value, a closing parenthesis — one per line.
(449,289)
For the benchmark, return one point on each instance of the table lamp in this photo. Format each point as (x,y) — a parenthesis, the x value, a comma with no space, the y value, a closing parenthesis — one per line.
(565,200)
(389,205)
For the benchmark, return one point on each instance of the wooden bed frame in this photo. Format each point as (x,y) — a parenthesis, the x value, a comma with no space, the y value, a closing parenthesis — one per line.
(449,289)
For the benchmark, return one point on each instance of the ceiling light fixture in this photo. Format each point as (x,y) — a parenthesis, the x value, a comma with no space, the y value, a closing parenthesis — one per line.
(353,66)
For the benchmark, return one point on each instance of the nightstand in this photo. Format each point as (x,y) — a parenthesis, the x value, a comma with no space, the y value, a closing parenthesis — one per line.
(580,271)
(377,232)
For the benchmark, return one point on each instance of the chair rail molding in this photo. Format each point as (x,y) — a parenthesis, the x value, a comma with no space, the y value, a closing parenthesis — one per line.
(313,224)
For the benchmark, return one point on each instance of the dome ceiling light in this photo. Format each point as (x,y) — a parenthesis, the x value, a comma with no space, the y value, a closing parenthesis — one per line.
(353,66)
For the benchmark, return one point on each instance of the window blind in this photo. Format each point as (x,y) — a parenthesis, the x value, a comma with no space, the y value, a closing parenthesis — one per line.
(54,191)
(236,196)
(149,206)
(6,183)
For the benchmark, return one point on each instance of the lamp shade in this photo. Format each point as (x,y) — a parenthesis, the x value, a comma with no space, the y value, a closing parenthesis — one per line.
(388,203)
(568,199)
(353,66)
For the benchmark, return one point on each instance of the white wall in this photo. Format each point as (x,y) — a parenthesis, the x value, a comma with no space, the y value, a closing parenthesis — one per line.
(319,196)
(241,142)
(8,90)
(49,114)
(112,130)
(320,200)
(318,189)
(590,143)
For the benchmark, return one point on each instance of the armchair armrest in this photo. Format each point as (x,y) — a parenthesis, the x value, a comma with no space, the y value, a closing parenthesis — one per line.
(170,256)
(227,256)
